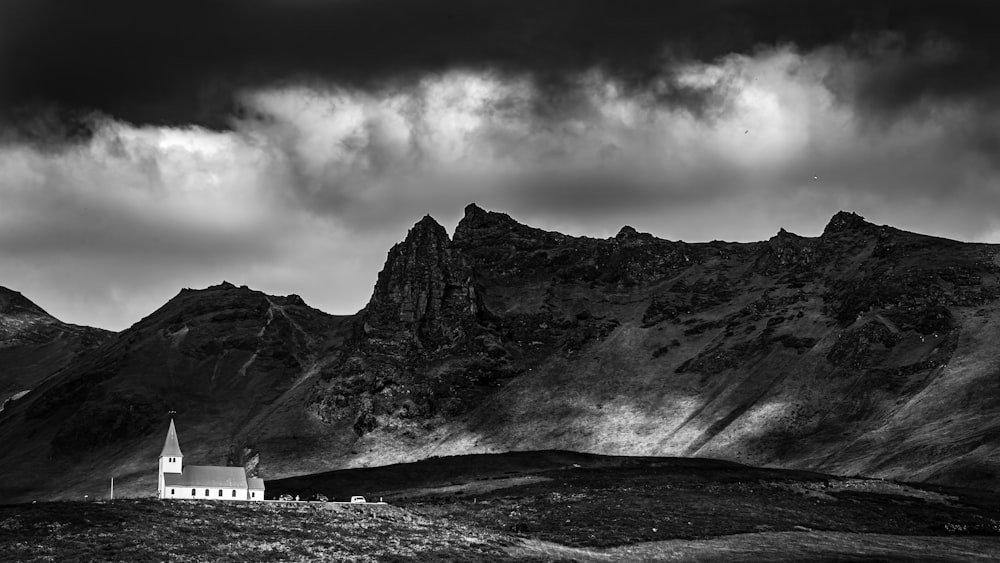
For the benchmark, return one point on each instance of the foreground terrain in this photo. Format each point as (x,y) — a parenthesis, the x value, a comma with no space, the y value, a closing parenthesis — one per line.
(587,500)
(534,507)
(148,530)
(138,531)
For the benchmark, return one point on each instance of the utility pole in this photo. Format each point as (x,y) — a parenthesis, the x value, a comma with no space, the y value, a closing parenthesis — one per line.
(112,488)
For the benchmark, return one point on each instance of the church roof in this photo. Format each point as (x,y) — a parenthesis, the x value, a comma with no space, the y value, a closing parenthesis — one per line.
(208,476)
(256,483)
(170,445)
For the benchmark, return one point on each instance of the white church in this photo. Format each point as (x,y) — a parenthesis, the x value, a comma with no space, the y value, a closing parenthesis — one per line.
(202,481)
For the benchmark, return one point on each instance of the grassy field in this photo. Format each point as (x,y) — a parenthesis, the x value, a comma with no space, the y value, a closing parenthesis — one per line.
(601,503)
(152,530)
(656,501)
(149,530)
(531,506)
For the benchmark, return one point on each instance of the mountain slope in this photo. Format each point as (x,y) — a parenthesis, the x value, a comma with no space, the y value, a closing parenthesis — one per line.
(218,357)
(34,345)
(865,350)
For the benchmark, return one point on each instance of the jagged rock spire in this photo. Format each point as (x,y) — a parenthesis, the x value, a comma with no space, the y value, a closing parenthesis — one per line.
(421,285)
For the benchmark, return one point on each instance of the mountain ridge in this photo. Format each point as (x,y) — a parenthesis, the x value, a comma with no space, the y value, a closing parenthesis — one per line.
(34,345)
(862,350)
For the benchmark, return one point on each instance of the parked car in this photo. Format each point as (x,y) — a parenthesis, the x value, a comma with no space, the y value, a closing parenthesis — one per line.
(319,497)
(357,499)
(286,497)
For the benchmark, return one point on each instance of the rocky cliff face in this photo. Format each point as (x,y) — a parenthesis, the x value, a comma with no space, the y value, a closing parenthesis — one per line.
(424,346)
(864,350)
(424,294)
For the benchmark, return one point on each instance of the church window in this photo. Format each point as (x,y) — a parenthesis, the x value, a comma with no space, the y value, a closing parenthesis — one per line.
(220,492)
(234,492)
(206,492)
(193,493)
(171,491)
(252,495)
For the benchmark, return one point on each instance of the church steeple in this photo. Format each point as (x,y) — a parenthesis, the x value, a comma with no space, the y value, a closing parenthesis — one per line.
(170,446)
(171,458)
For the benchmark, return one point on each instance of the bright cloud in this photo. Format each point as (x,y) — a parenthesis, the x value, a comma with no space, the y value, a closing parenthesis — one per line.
(315,182)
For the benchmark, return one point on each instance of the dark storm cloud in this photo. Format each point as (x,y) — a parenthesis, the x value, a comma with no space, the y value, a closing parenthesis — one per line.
(913,73)
(287,144)
(180,62)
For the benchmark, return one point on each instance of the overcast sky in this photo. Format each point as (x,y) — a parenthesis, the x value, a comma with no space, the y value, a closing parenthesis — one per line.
(287,144)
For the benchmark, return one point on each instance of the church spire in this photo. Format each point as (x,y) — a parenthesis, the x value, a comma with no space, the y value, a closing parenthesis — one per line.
(170,445)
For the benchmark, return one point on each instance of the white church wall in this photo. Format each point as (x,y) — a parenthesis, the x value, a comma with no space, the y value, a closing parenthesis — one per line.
(199,493)
(171,464)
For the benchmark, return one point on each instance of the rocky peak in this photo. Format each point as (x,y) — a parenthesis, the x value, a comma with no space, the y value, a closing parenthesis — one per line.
(479,224)
(216,305)
(844,221)
(627,232)
(18,314)
(12,303)
(629,237)
(422,283)
(783,234)
(426,229)
(473,211)
(786,252)
(425,245)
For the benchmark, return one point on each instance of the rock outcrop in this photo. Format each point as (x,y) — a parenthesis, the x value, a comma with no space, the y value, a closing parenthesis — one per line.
(423,293)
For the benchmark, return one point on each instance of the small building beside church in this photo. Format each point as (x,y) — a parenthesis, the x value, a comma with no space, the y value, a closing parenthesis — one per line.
(203,482)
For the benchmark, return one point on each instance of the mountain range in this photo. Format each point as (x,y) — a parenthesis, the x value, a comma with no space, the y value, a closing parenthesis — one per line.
(867,350)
